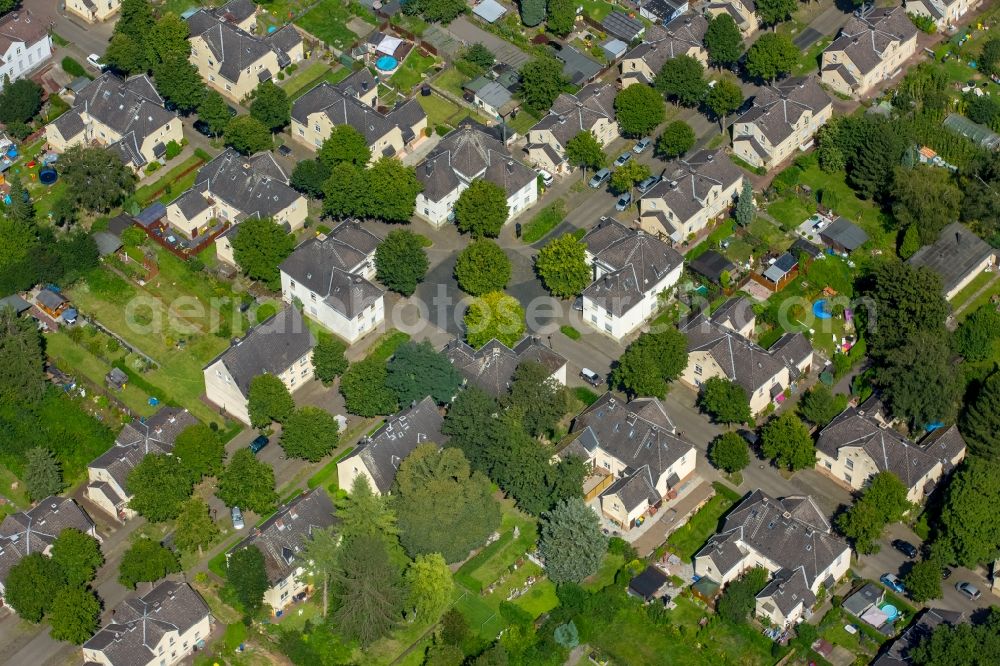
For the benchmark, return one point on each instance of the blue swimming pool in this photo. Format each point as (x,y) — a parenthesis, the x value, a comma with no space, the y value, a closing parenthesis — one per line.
(386,63)
(820,311)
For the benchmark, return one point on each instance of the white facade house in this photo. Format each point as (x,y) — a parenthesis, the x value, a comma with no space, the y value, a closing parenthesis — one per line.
(25,44)
(631,269)
(330,276)
(944,13)
(466,154)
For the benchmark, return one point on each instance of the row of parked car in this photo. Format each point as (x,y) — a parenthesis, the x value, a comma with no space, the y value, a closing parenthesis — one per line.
(602,176)
(896,585)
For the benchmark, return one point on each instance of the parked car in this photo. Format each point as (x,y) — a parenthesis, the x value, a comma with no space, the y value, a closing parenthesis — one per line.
(623,159)
(95,60)
(968,589)
(945,573)
(237,518)
(905,547)
(284,150)
(578,303)
(600,177)
(642,145)
(623,201)
(893,583)
(259,443)
(546,177)
(647,184)
(591,377)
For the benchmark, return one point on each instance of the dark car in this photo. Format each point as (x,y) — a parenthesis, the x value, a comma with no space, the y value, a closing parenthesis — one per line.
(905,547)
(259,443)
(284,150)
(945,573)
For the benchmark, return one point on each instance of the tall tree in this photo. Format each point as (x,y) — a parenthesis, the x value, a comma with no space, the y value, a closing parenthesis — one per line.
(650,362)
(168,39)
(247,135)
(561,17)
(442,506)
(417,370)
(364,390)
(126,55)
(195,529)
(745,210)
(310,177)
(31,586)
(970,524)
(926,198)
(75,615)
(146,561)
(981,421)
(584,151)
(772,12)
(724,401)
(481,209)
(158,485)
(179,82)
(345,145)
(320,555)
(923,582)
(625,177)
(78,555)
(248,483)
(536,399)
(562,266)
(729,452)
(214,112)
(259,247)
(682,79)
(541,80)
(247,577)
(328,358)
(723,40)
(481,267)
(365,514)
(310,433)
(677,139)
(786,440)
(737,602)
(887,494)
(976,334)
(346,192)
(905,300)
(97,178)
(401,261)
(268,400)
(370,591)
(430,586)
(135,19)
(963,644)
(466,415)
(494,315)
(771,56)
(819,405)
(863,525)
(722,99)
(638,110)
(43,473)
(200,450)
(21,208)
(395,188)
(270,105)
(20,101)
(919,380)
(571,542)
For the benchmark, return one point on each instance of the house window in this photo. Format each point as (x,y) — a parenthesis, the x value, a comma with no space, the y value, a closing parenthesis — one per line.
(291,382)
(291,284)
(849,463)
(229,87)
(697,369)
(593,317)
(607,327)
(312,296)
(302,132)
(847,477)
(829,465)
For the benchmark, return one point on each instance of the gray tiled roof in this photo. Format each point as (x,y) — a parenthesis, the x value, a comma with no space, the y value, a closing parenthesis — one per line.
(465,154)
(661,43)
(343,108)
(232,48)
(787,589)
(382,453)
(898,653)
(955,253)
(236,10)
(282,537)
(844,233)
(284,39)
(687,182)
(711,264)
(255,186)
(269,348)
(783,533)
(492,367)
(34,530)
(776,109)
(572,114)
(865,38)
(632,490)
(141,437)
(192,203)
(20,26)
(139,623)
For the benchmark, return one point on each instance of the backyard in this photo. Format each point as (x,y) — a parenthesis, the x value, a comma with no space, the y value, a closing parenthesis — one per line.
(412,70)
(691,536)
(308,78)
(328,21)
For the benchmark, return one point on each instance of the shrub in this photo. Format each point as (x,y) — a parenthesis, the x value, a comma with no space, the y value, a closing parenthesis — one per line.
(173,150)
(72,67)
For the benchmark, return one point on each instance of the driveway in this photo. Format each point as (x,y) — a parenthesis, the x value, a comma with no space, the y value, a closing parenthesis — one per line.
(469,33)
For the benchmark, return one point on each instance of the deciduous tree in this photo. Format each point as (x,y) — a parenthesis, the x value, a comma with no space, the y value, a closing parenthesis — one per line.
(310,177)
(168,39)
(74,615)
(722,99)
(819,406)
(78,555)
(989,57)
(394,188)
(178,81)
(146,561)
(723,40)
(923,582)
(682,79)
(583,150)
(126,55)
(195,529)
(536,399)
(625,177)
(370,591)
(248,483)
(532,12)
(320,557)
(363,513)
(98,179)
(268,400)
(270,105)
(20,101)
(724,401)
(494,315)
(401,261)
(729,452)
(571,542)
(364,390)
(346,192)
(430,586)
(32,585)
(541,80)
(786,440)
(738,600)
(970,524)
(328,358)
(887,494)
(677,139)
(345,145)
(962,644)
(158,485)
(200,450)
(481,210)
(925,197)
(906,300)
(775,11)
(417,370)
(43,473)
(862,525)
(259,247)
(638,110)
(247,577)
(482,267)
(247,135)
(650,363)
(562,266)
(310,433)
(920,383)
(771,56)
(214,112)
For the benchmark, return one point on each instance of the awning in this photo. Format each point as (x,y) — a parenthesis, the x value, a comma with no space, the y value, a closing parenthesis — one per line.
(388,45)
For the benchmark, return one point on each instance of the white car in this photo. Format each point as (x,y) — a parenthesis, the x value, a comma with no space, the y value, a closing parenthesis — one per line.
(237,518)
(546,177)
(95,60)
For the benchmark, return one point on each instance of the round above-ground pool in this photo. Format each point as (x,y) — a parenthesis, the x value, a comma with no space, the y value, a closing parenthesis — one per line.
(890,612)
(386,63)
(820,311)
(47,176)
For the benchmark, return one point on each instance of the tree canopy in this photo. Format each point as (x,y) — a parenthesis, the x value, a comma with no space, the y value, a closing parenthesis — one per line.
(259,247)
(682,79)
(651,362)
(819,405)
(677,139)
(247,135)
(962,644)
(571,542)
(722,99)
(268,400)
(43,473)
(96,178)
(638,110)
(78,555)
(247,577)
(247,483)
(146,561)
(401,261)
(195,529)
(20,101)
(562,266)
(724,401)
(981,420)
(310,176)
(344,145)
(200,450)
(270,106)
(370,591)
(723,40)
(364,389)
(738,600)
(75,615)
(561,17)
(482,266)
(328,358)
(535,399)
(976,334)
(159,485)
(494,315)
(775,11)
(481,209)
(920,383)
(625,177)
(310,433)
(926,198)
(970,526)
(906,300)
(430,585)
(214,112)
(772,55)
(417,370)
(583,150)
(31,586)
(729,452)
(786,440)
(541,80)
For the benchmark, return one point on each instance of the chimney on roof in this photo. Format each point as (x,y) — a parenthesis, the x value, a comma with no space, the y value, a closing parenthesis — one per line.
(357,279)
(607,280)
(562,119)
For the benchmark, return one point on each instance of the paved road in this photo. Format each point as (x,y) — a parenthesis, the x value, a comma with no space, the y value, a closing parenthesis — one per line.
(85,39)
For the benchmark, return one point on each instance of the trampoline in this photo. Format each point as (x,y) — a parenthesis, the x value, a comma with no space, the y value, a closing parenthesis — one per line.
(820,311)
(47,176)
(386,63)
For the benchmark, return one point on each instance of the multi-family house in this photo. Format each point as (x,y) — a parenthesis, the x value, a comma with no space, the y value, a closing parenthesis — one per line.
(637,444)
(783,119)
(241,13)
(282,539)
(872,47)
(234,61)
(944,13)
(231,188)
(958,256)
(682,36)
(743,12)
(590,110)
(35,530)
(25,44)
(719,345)
(330,276)
(352,102)
(466,154)
(631,270)
(692,193)
(126,115)
(791,538)
(108,473)
(860,443)
(662,11)
(379,455)
(93,11)
(491,367)
(281,346)
(160,628)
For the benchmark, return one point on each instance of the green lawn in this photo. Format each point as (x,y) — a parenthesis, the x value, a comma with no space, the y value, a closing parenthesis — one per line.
(493,560)
(523,122)
(412,71)
(792,211)
(981,300)
(691,536)
(544,221)
(606,574)
(328,22)
(597,9)
(304,79)
(970,289)
(451,80)
(171,183)
(765,230)
(809,60)
(441,111)
(177,6)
